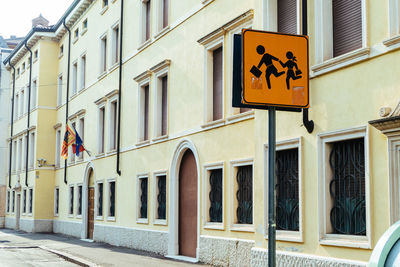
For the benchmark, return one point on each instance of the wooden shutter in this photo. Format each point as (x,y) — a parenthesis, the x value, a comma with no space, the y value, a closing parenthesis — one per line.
(347,26)
(164,103)
(217,84)
(165,13)
(287,16)
(146,113)
(148,20)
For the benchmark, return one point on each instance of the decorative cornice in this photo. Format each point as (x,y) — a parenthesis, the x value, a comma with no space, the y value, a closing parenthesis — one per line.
(112,93)
(56,126)
(100,100)
(163,64)
(144,75)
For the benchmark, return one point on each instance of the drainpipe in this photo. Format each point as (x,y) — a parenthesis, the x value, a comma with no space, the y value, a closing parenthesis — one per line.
(309,124)
(29,114)
(12,124)
(67,100)
(120,88)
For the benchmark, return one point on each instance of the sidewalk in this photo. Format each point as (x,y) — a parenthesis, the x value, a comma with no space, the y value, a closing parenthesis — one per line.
(80,252)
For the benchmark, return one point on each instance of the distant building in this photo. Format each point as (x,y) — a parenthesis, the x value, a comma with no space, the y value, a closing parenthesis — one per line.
(40,22)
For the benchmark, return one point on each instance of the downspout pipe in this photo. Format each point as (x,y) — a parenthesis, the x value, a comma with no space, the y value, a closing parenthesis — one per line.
(120,88)
(29,114)
(12,124)
(67,100)
(309,124)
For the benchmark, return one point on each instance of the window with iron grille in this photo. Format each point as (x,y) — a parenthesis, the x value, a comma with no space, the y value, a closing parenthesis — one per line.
(79,200)
(24,203)
(143,183)
(215,195)
(111,212)
(244,194)
(287,190)
(56,199)
(8,201)
(13,201)
(100,199)
(162,197)
(347,187)
(71,200)
(30,200)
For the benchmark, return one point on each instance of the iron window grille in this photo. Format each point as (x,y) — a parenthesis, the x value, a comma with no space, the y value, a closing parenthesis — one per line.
(215,196)
(71,200)
(287,190)
(80,200)
(100,200)
(112,199)
(143,198)
(13,202)
(162,197)
(24,203)
(30,200)
(57,197)
(244,195)
(8,201)
(347,187)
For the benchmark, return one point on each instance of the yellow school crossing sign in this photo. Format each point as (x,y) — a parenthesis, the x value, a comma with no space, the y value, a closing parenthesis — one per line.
(275,69)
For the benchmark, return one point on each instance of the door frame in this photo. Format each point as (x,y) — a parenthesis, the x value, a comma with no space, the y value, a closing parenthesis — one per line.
(85,195)
(173,211)
(18,211)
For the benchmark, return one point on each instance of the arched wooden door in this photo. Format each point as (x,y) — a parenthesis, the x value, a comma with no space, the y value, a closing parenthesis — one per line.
(188,205)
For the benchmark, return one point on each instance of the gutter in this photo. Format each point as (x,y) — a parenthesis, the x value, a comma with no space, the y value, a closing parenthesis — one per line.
(67,100)
(29,114)
(12,124)
(120,88)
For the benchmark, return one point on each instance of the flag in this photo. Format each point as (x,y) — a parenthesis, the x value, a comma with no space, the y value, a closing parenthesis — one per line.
(69,139)
(78,146)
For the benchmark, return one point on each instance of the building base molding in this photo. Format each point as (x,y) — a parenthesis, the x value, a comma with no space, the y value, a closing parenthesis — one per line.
(67,228)
(259,258)
(2,222)
(10,223)
(36,226)
(141,239)
(225,251)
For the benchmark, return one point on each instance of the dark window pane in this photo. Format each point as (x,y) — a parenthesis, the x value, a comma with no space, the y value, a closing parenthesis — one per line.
(24,204)
(162,197)
(164,108)
(148,13)
(71,201)
(244,195)
(112,199)
(287,16)
(30,200)
(146,113)
(143,198)
(80,200)
(100,200)
(165,13)
(215,196)
(217,84)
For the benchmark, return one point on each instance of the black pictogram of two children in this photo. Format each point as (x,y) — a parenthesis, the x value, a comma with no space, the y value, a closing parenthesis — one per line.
(271,69)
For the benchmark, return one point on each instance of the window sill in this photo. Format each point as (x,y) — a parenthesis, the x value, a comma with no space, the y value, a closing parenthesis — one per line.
(30,214)
(214,226)
(99,218)
(105,8)
(70,215)
(143,143)
(142,221)
(392,41)
(160,222)
(111,219)
(60,55)
(243,228)
(75,40)
(114,66)
(100,155)
(241,116)
(113,1)
(35,60)
(144,44)
(79,216)
(162,32)
(340,61)
(55,215)
(213,124)
(102,75)
(206,2)
(83,31)
(112,152)
(160,138)
(345,241)
(289,236)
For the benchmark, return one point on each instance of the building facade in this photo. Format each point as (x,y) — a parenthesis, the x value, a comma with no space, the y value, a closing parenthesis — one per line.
(174,168)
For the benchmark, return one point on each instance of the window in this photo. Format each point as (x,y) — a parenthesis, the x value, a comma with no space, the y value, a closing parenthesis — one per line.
(71,153)
(16,103)
(99,199)
(58,147)
(287,16)
(71,200)
(243,195)
(56,201)
(217,97)
(344,208)
(18,71)
(105,3)
(81,133)
(32,150)
(8,201)
(213,181)
(146,19)
(25,102)
(162,14)
(61,50)
(14,160)
(36,54)
(33,95)
(115,53)
(76,34)
(83,72)
(162,106)
(144,113)
(103,56)
(74,78)
(113,125)
(24,202)
(111,195)
(84,25)
(165,13)
(101,130)
(23,67)
(25,152)
(341,30)
(21,105)
(161,202)
(59,90)
(20,157)
(13,201)
(30,200)
(143,199)
(79,200)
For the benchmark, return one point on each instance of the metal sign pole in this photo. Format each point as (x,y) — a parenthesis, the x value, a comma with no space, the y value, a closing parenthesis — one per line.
(271,186)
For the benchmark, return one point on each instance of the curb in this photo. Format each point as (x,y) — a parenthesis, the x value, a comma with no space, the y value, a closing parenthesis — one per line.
(70,258)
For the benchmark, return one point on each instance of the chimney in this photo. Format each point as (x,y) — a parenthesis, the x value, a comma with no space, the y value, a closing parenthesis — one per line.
(40,22)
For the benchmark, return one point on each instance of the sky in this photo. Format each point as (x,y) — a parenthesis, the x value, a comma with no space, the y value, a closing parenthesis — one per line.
(16,15)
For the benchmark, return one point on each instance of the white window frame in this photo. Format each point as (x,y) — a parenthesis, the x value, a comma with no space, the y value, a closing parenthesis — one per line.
(55,201)
(207,168)
(24,200)
(15,157)
(23,101)
(111,137)
(77,200)
(234,164)
(24,152)
(8,201)
(270,11)
(74,87)
(32,146)
(138,194)
(394,172)
(71,215)
(141,110)
(154,192)
(84,28)
(34,94)
(71,155)
(79,129)
(20,153)
(83,65)
(101,128)
(159,73)
(160,16)
(324,60)
(103,54)
(393,38)
(111,218)
(30,205)
(59,89)
(143,22)
(291,236)
(76,35)
(323,192)
(58,147)
(16,107)
(115,45)
(96,200)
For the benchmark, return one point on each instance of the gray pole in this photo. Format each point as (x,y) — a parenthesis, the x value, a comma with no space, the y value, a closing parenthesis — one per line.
(271,186)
